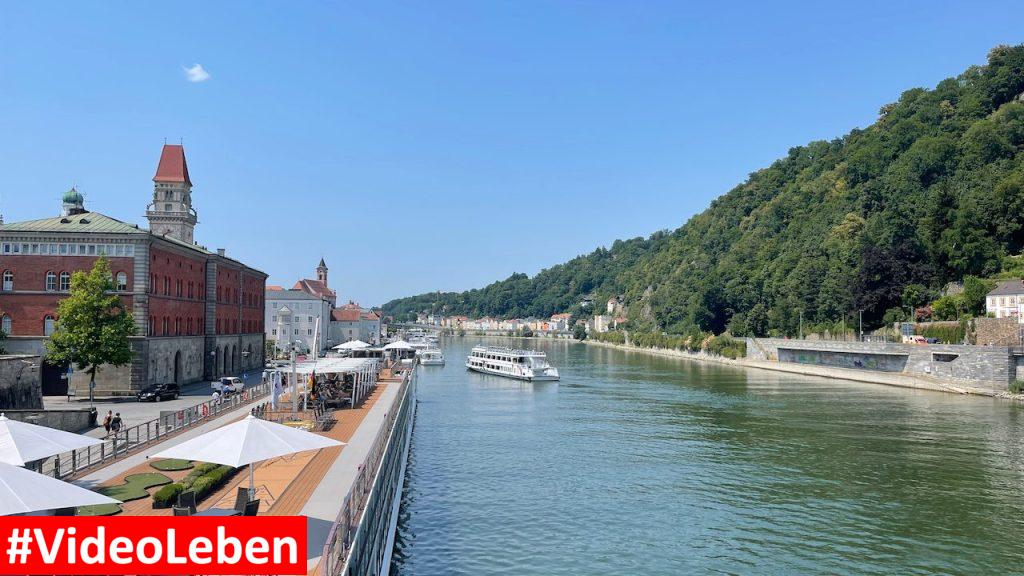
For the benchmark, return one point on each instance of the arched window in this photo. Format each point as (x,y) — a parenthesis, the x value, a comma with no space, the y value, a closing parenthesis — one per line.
(48,325)
(65,282)
(51,281)
(5,324)
(8,280)
(122,281)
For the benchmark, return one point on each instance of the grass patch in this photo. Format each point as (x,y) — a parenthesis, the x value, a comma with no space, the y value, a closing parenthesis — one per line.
(98,510)
(171,464)
(135,486)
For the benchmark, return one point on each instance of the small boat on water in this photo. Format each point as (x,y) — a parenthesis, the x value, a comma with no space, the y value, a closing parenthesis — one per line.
(431,357)
(511,363)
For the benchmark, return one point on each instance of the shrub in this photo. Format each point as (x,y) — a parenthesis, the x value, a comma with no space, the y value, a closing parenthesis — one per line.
(167,496)
(1017,386)
(203,480)
(728,347)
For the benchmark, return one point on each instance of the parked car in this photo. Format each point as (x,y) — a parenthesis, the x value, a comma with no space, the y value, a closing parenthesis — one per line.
(158,392)
(228,385)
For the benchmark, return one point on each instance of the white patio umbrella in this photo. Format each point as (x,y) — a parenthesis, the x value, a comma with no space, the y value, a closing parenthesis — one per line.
(247,441)
(21,442)
(399,345)
(353,345)
(23,491)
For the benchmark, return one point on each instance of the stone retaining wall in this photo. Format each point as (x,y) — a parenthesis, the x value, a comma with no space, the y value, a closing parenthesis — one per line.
(71,420)
(21,382)
(986,367)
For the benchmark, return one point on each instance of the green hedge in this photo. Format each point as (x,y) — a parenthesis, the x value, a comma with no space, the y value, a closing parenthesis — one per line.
(203,480)
(945,333)
(609,337)
(729,347)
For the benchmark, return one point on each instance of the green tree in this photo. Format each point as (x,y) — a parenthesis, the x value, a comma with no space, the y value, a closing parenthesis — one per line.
(579,332)
(975,290)
(915,295)
(93,325)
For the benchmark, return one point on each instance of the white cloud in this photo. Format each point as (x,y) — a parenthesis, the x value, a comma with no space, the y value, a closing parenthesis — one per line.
(196,73)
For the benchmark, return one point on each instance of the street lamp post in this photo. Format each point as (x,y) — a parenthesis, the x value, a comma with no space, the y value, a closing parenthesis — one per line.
(801,324)
(860,324)
(295,386)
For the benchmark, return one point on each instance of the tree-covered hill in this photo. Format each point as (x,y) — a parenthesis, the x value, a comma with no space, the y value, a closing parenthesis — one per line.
(932,192)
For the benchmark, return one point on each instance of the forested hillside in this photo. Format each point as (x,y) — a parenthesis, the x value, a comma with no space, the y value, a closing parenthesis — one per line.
(932,192)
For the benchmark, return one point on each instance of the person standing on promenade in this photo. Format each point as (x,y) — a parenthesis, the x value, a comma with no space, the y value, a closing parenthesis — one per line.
(115,423)
(106,421)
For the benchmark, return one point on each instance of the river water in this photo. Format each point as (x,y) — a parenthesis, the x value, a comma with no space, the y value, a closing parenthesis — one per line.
(636,464)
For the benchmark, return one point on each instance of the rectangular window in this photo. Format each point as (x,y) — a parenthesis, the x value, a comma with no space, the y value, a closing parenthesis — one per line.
(309,332)
(92,249)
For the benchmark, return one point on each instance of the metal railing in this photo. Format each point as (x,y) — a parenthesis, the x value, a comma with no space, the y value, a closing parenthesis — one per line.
(117,445)
(341,537)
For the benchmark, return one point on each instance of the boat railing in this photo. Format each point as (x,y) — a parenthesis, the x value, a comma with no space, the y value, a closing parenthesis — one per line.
(342,533)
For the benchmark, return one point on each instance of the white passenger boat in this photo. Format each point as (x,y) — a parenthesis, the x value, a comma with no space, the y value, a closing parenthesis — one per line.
(521,364)
(431,357)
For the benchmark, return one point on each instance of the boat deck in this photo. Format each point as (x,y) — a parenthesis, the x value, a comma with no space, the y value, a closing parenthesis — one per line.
(313,484)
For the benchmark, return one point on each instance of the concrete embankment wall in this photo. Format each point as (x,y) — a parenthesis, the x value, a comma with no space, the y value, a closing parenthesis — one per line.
(989,368)
(758,356)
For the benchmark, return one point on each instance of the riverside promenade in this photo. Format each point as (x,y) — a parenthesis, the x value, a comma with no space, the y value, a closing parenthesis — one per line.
(317,484)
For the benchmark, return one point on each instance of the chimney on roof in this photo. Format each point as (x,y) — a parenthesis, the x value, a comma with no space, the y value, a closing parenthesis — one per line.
(220,251)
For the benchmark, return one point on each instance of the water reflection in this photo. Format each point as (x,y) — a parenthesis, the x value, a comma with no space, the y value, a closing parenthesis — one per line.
(642,464)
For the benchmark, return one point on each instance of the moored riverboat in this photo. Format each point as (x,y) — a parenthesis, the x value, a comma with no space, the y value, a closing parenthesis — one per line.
(431,357)
(511,363)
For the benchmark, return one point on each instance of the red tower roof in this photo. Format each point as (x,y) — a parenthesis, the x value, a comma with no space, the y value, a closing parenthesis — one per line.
(172,167)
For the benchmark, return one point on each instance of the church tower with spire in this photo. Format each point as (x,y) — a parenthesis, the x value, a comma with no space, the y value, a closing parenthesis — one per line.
(321,272)
(171,213)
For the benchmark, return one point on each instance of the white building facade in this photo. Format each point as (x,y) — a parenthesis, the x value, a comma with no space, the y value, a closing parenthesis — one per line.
(1006,300)
(298,317)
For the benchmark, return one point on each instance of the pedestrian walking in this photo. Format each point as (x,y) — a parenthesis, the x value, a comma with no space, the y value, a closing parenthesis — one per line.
(115,423)
(107,420)
(216,397)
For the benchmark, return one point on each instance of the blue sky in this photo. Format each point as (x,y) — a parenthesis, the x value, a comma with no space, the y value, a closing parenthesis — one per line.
(443,145)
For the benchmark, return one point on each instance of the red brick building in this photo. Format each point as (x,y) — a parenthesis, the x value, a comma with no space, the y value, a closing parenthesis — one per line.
(199,314)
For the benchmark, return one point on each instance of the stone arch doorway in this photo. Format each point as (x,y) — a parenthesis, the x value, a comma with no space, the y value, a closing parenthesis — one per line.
(177,367)
(220,362)
(234,359)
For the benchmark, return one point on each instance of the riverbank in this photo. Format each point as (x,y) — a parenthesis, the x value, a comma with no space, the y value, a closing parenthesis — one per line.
(886,378)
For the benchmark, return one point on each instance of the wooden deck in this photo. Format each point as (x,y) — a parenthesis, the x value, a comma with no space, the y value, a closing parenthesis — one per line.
(283,485)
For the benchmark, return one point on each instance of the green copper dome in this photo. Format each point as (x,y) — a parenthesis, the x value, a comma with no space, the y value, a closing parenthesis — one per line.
(73,197)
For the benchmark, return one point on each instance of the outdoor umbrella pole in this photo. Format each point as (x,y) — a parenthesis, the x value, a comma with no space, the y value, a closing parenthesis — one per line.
(252,483)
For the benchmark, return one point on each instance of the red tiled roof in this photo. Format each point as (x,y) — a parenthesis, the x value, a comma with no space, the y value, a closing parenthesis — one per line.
(314,287)
(565,316)
(370,316)
(172,166)
(274,287)
(345,315)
